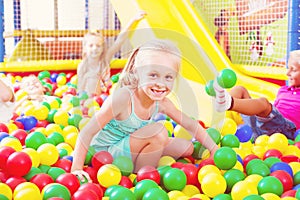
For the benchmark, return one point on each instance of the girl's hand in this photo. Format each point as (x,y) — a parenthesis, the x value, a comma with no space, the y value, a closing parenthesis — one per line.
(82,175)
(141,14)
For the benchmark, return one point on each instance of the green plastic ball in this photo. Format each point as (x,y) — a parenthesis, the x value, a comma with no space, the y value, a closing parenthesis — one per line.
(209,88)
(230,140)
(225,158)
(115,78)
(233,176)
(125,165)
(142,187)
(155,193)
(214,134)
(174,179)
(227,78)
(56,190)
(270,184)
(43,74)
(222,197)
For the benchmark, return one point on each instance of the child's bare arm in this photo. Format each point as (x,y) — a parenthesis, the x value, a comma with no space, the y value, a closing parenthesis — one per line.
(6,93)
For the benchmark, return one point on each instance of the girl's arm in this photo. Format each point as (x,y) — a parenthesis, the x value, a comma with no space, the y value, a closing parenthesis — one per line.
(123,35)
(111,108)
(191,125)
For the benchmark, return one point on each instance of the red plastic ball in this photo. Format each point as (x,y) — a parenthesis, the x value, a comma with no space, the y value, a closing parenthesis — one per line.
(41,180)
(208,161)
(289,193)
(191,172)
(64,164)
(3,128)
(285,178)
(94,187)
(92,173)
(3,176)
(248,158)
(148,172)
(70,181)
(20,135)
(101,158)
(5,152)
(126,182)
(18,164)
(272,153)
(14,181)
(85,194)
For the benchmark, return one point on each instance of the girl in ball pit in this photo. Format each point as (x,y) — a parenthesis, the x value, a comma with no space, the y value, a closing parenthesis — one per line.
(124,125)
(265,118)
(93,72)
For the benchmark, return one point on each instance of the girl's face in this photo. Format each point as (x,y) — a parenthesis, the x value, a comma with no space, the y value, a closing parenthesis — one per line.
(293,72)
(32,86)
(156,74)
(94,46)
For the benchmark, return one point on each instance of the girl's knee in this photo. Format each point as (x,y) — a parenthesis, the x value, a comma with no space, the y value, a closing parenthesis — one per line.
(189,151)
(161,135)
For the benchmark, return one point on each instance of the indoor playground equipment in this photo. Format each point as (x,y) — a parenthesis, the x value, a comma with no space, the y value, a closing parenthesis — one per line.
(250,39)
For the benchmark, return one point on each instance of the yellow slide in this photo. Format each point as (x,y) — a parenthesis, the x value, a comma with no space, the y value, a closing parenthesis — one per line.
(202,57)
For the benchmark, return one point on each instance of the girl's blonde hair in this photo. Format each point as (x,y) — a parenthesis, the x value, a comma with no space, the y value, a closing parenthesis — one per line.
(128,76)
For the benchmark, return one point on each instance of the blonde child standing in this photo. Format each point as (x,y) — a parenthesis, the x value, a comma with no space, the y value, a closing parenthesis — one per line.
(265,118)
(124,125)
(94,71)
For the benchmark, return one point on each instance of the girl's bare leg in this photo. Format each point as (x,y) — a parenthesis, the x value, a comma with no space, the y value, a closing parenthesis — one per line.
(147,145)
(178,147)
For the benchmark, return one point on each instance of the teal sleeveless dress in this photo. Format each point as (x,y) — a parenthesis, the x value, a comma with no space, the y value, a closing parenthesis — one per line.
(114,137)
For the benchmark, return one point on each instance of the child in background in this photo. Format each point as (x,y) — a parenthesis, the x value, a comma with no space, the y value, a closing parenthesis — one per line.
(94,71)
(124,125)
(7,100)
(260,114)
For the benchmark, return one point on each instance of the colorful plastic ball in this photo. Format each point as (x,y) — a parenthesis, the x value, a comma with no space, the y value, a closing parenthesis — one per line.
(29,122)
(18,164)
(35,139)
(70,181)
(122,193)
(222,197)
(51,114)
(243,189)
(85,194)
(233,176)
(272,153)
(93,187)
(3,135)
(20,135)
(225,158)
(74,120)
(55,190)
(48,154)
(125,164)
(257,166)
(143,186)
(64,164)
(11,142)
(230,140)
(57,138)
(209,89)
(180,132)
(61,117)
(3,128)
(166,160)
(14,181)
(213,184)
(191,172)
(174,179)
(244,133)
(109,175)
(61,80)
(41,180)
(278,141)
(156,193)
(126,182)
(285,178)
(5,152)
(270,184)
(33,171)
(148,172)
(214,134)
(43,74)
(227,126)
(40,112)
(206,169)
(271,160)
(227,78)
(282,166)
(6,191)
(253,197)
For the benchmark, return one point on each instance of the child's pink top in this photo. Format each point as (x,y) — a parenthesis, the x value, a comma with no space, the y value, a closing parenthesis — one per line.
(288,103)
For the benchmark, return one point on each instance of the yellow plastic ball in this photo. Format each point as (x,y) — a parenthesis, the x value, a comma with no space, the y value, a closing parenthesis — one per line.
(169,126)
(61,80)
(227,126)
(166,160)
(66,147)
(71,139)
(180,132)
(207,169)
(213,184)
(90,103)
(20,94)
(61,117)
(201,196)
(74,79)
(278,141)
(50,128)
(34,156)
(12,127)
(262,140)
(40,112)
(109,175)
(70,129)
(6,190)
(75,110)
(26,186)
(48,154)
(253,179)
(242,189)
(190,190)
(29,110)
(270,196)
(295,167)
(175,194)
(83,122)
(54,104)
(11,142)
(28,194)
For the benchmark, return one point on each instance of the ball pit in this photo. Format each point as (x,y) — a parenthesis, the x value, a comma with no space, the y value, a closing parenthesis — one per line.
(36,149)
